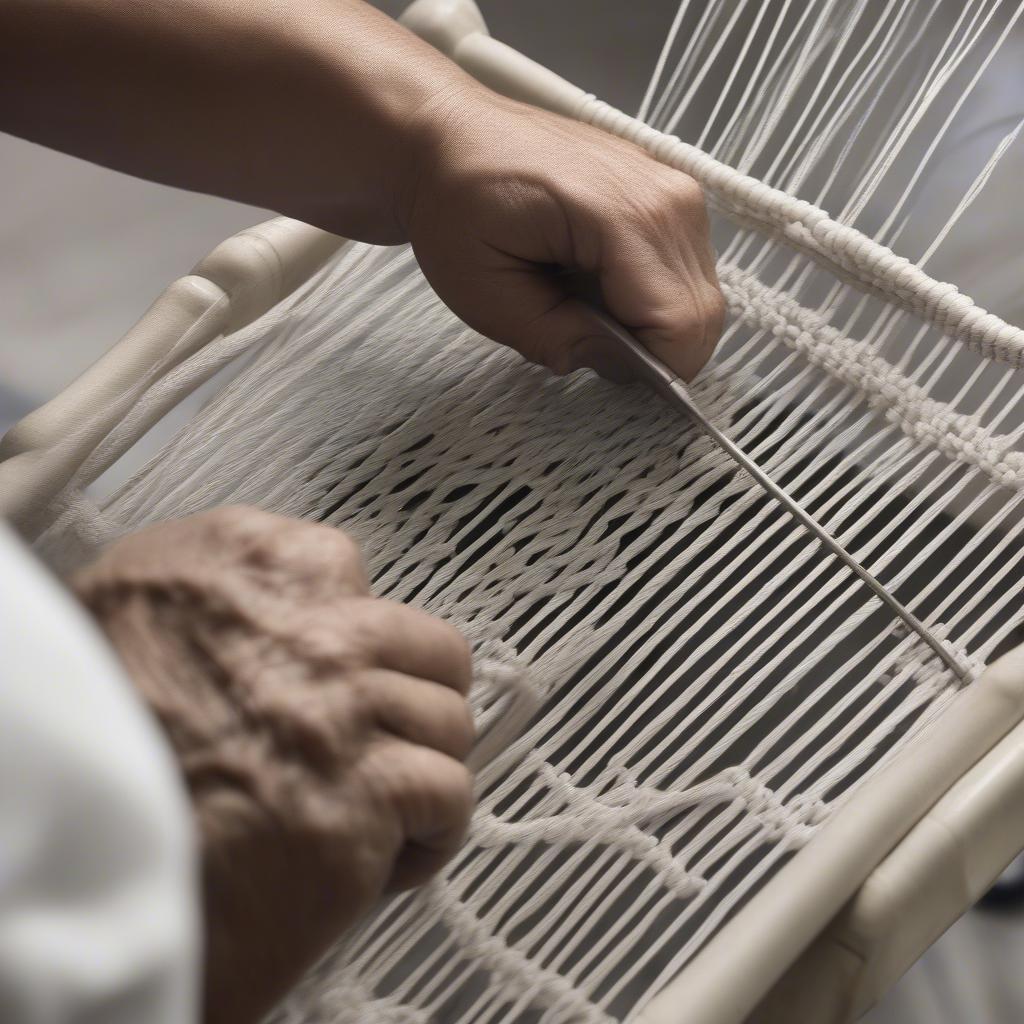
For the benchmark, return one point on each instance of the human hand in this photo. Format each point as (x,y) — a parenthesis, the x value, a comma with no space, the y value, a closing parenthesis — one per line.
(328,111)
(506,193)
(320,731)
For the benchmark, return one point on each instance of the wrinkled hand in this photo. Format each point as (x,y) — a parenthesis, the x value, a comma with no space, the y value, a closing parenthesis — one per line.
(505,193)
(320,731)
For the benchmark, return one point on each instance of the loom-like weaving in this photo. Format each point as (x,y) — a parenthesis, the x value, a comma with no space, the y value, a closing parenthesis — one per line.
(677,687)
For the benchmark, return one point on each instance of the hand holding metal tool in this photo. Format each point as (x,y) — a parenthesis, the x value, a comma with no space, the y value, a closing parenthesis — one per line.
(623,358)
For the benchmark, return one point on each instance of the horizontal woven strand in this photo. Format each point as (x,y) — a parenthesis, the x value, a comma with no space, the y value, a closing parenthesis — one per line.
(810,228)
(884,388)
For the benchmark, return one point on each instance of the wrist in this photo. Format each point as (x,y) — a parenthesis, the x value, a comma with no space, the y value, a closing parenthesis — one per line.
(435,133)
(385,99)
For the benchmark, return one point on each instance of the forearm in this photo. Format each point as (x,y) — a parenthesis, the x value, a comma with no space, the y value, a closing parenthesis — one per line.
(313,108)
(328,111)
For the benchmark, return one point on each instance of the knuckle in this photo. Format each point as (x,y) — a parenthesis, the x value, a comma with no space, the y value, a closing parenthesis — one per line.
(699,322)
(689,323)
(455,666)
(714,311)
(248,533)
(236,518)
(232,526)
(677,192)
(446,783)
(340,542)
(427,714)
(439,785)
(371,627)
(457,793)
(344,555)
(690,194)
(459,728)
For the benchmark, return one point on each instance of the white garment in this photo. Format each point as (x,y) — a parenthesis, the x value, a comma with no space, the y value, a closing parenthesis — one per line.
(98,908)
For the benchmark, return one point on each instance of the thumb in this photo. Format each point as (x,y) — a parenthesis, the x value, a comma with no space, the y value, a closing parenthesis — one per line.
(549,318)
(672,306)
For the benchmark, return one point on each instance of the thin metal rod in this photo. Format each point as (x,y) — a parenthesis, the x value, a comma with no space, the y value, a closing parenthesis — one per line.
(682,399)
(625,357)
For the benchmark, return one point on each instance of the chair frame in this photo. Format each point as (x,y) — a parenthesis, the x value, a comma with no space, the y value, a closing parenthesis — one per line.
(909,852)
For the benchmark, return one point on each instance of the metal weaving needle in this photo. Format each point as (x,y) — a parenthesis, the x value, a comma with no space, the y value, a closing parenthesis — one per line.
(625,358)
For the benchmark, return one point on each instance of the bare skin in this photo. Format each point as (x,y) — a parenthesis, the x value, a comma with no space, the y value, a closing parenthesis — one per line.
(321,732)
(330,112)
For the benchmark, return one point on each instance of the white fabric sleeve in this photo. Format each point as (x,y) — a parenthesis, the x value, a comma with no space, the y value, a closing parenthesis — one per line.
(99,913)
